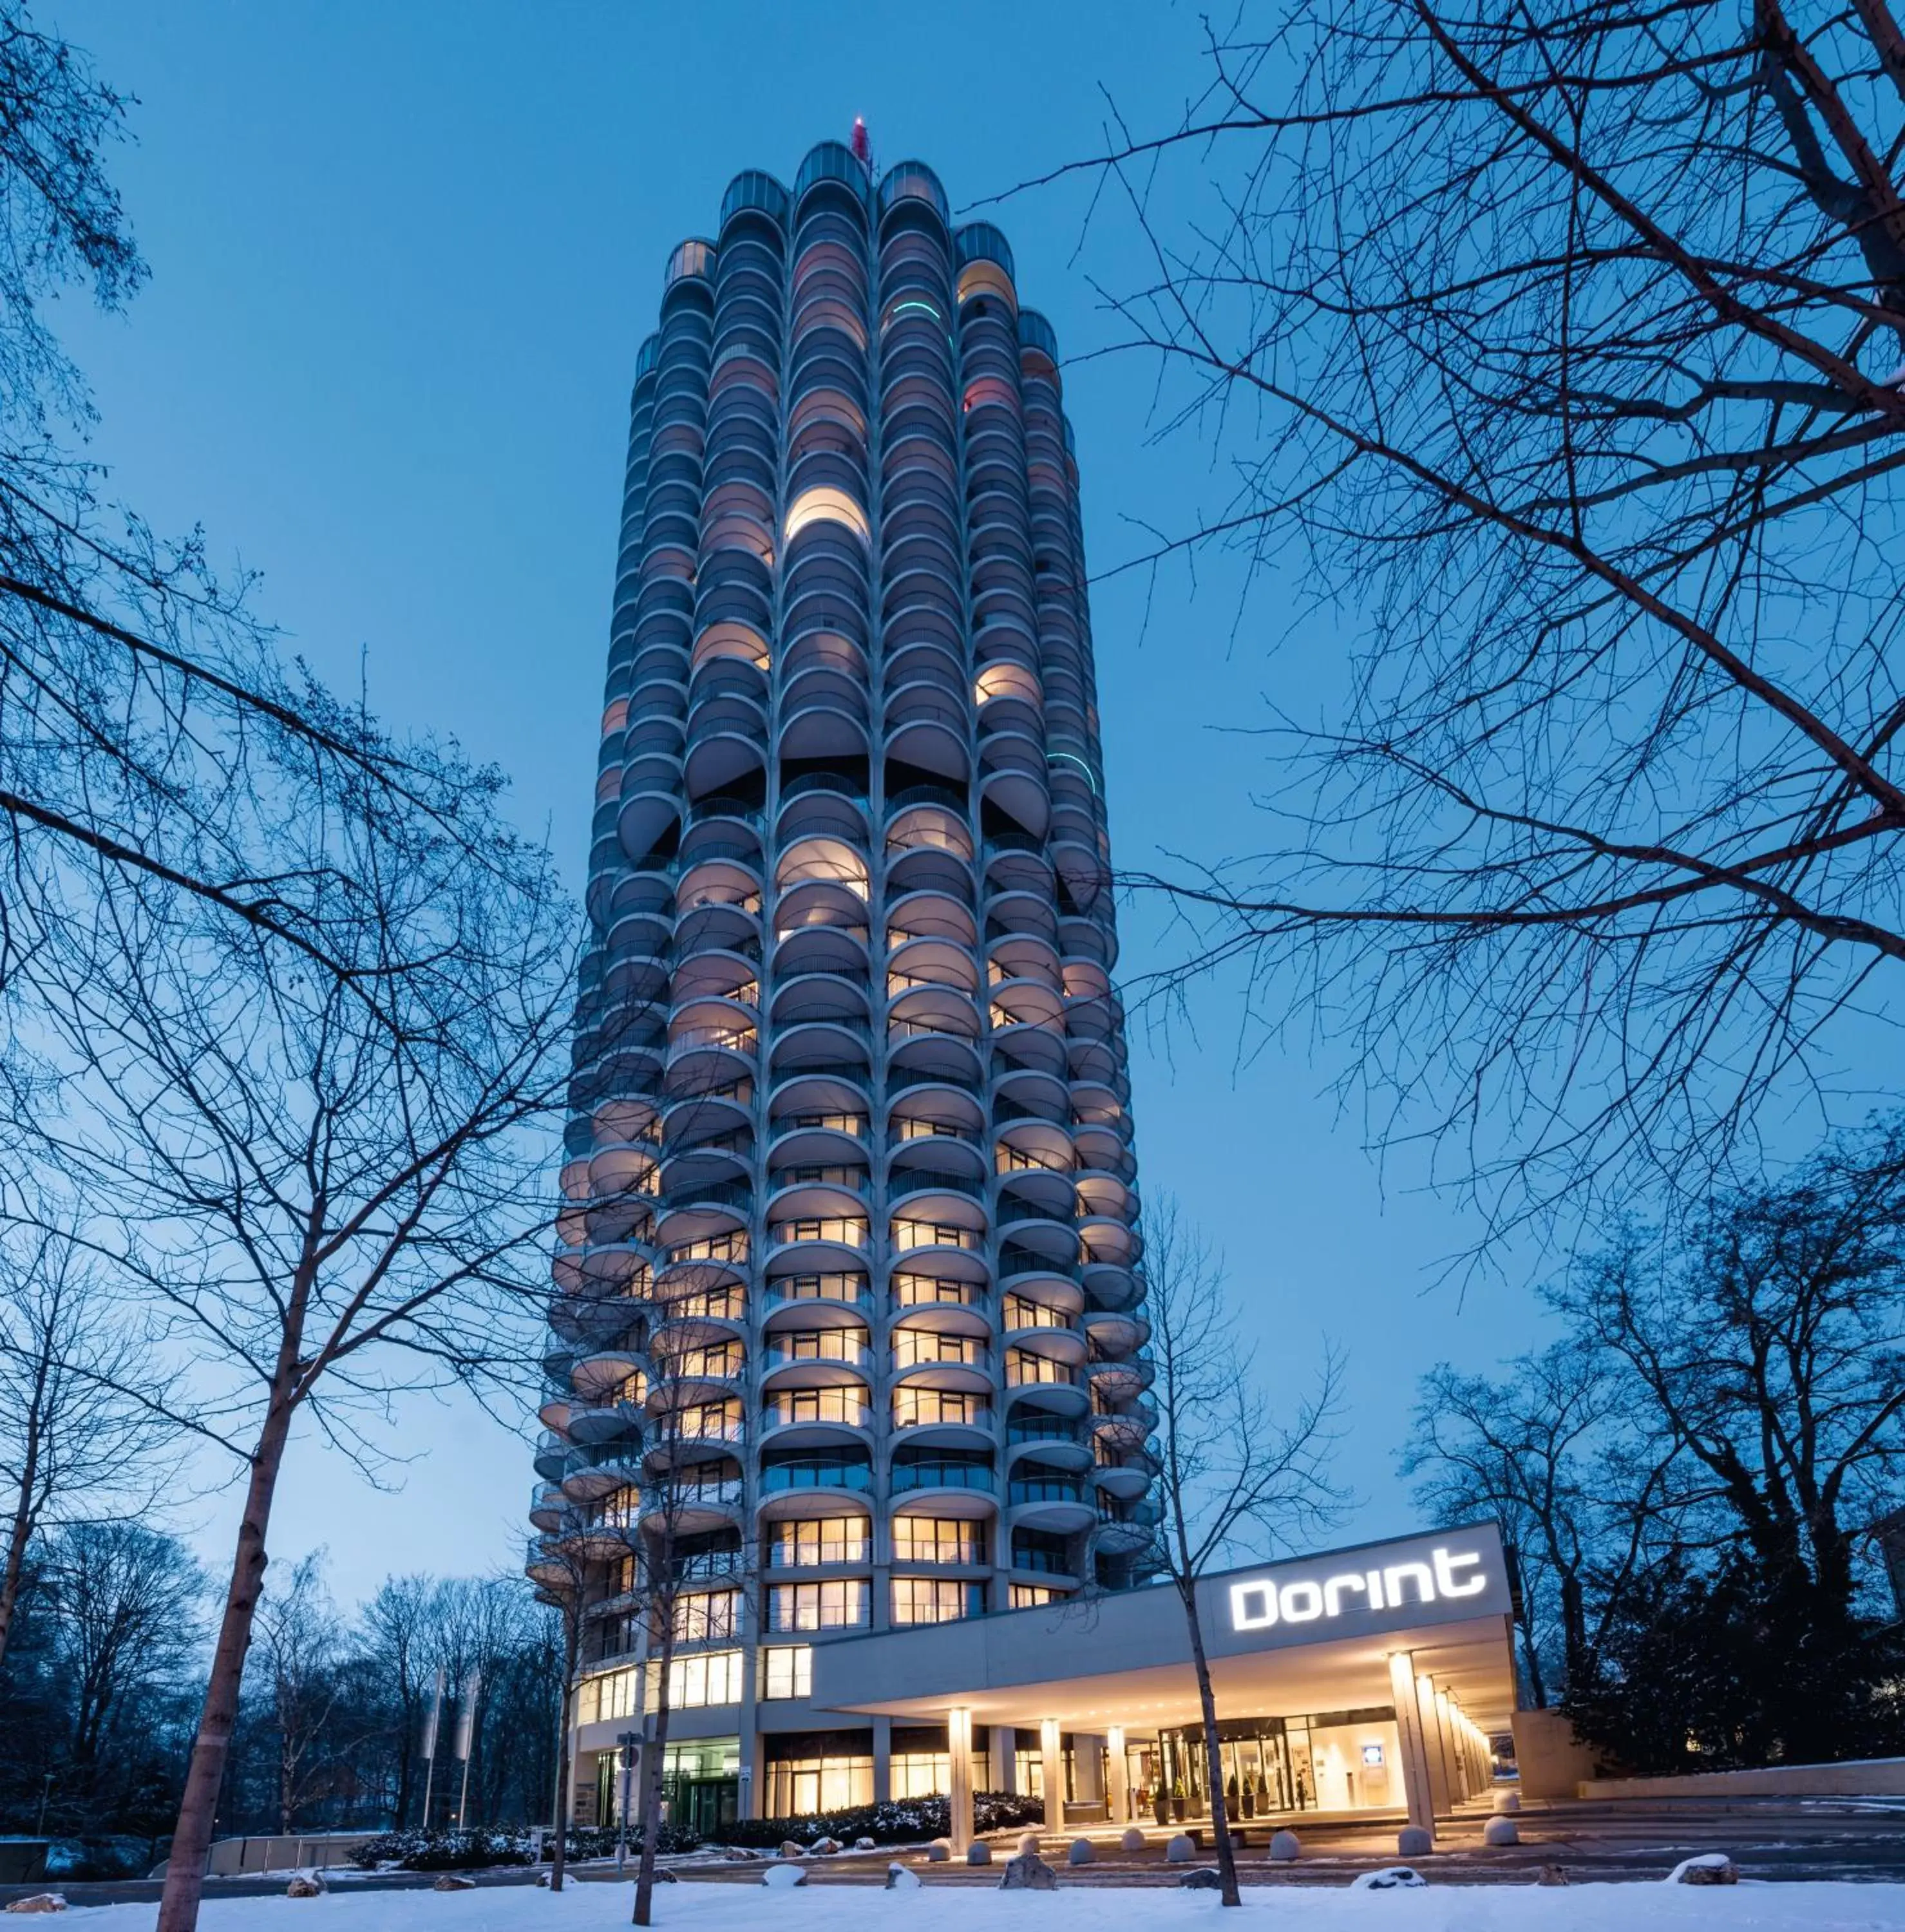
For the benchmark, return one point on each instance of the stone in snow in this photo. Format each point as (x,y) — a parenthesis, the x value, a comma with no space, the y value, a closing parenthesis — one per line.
(782,1877)
(1551,1875)
(1205,1879)
(1133,1839)
(1390,1878)
(979,1853)
(1500,1831)
(826,1848)
(455,1881)
(939,1850)
(1081,1852)
(1284,1846)
(1028,1872)
(1414,1841)
(902,1878)
(1180,1851)
(305,1885)
(863,1845)
(1028,1841)
(39,1901)
(792,1848)
(1705,1868)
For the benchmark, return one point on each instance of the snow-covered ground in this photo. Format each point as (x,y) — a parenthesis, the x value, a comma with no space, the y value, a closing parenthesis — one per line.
(948,1908)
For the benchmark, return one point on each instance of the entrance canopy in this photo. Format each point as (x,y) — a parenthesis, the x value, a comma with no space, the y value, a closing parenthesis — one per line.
(1319,1634)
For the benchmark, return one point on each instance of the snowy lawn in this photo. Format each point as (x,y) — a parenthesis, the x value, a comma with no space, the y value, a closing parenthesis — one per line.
(821,1908)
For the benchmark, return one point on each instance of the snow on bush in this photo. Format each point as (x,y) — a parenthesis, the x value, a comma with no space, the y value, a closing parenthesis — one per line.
(897,1822)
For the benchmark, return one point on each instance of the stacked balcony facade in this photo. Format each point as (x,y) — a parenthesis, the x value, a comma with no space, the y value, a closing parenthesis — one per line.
(848,1263)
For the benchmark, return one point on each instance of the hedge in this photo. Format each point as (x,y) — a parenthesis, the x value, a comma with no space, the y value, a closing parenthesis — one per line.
(897,1822)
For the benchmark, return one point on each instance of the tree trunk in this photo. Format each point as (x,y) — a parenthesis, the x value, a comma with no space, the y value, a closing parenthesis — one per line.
(184,1881)
(20,1533)
(562,1763)
(1213,1762)
(651,1778)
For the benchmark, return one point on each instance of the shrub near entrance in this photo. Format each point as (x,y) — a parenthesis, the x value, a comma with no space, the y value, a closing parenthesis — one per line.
(902,1821)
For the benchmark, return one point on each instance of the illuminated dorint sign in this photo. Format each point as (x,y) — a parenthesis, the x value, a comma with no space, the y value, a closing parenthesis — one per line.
(1259,1603)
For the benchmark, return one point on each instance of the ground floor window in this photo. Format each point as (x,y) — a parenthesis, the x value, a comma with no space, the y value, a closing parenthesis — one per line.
(695,1682)
(922,1773)
(612,1694)
(1329,1761)
(802,1786)
(786,1670)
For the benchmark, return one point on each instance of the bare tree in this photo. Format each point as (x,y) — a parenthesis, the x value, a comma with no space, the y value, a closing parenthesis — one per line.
(326,1187)
(566,1576)
(300,1649)
(1547,1451)
(138,691)
(76,1436)
(688,1446)
(393,1623)
(128,1602)
(1556,351)
(1230,1474)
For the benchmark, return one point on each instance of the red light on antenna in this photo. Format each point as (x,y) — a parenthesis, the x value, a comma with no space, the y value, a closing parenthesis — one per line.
(862,147)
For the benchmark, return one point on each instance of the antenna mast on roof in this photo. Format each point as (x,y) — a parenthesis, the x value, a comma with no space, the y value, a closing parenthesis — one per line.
(863,144)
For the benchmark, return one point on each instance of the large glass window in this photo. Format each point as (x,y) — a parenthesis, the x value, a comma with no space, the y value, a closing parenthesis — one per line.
(822,1404)
(934,1600)
(799,1787)
(912,1406)
(613,1694)
(786,1670)
(825,1539)
(921,1774)
(930,1539)
(839,1603)
(707,1614)
(711,1677)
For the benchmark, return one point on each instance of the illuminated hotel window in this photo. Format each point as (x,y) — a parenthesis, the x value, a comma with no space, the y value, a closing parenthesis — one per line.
(695,1682)
(707,1614)
(922,1773)
(838,1604)
(1029,1596)
(611,1695)
(914,1406)
(932,1599)
(824,505)
(799,1787)
(786,1670)
(929,1539)
(825,1539)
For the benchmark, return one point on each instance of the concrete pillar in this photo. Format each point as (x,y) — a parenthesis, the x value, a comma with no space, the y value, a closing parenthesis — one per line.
(1118,1782)
(958,1745)
(1417,1792)
(1433,1744)
(1002,1769)
(1052,1759)
(882,1760)
(1445,1720)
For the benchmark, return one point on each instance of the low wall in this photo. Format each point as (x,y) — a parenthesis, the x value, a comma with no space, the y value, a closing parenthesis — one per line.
(230,1857)
(1860,1777)
(1552,1761)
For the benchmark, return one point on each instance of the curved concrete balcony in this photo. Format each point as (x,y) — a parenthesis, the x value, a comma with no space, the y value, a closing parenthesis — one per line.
(804,999)
(938,1046)
(552,1455)
(648,813)
(602,1376)
(822,1192)
(1132,1530)
(944,1479)
(1105,1243)
(830,1427)
(549,1509)
(819,1244)
(1128,1478)
(807,1355)
(597,1419)
(1120,1382)
(1059,1503)
(813,1484)
(709,1107)
(1116,1332)
(823,948)
(1060,1442)
(927,1435)
(594,1474)
(588,1322)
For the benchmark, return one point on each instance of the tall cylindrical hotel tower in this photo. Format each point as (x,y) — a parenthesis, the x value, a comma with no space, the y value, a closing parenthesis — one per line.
(848,1258)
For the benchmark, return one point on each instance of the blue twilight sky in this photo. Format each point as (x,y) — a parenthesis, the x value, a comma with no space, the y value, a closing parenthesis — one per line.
(403,257)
